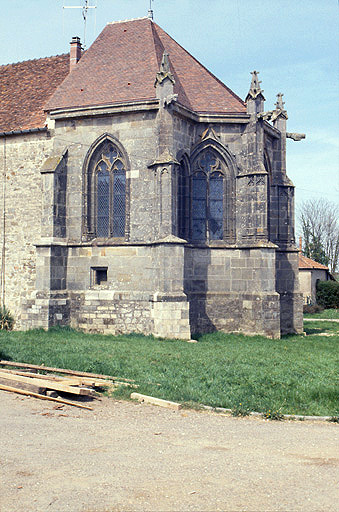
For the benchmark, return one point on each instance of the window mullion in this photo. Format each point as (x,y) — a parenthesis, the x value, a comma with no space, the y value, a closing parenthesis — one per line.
(111,200)
(208,213)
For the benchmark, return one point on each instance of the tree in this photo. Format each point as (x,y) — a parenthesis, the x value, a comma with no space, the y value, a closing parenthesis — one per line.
(319,222)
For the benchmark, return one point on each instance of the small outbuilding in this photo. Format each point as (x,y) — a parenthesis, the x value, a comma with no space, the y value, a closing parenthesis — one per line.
(310,272)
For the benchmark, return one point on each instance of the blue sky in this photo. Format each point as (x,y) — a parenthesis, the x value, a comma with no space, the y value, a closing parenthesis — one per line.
(294,45)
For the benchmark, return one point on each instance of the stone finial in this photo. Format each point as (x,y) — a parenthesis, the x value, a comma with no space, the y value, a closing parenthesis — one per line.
(280,103)
(279,113)
(165,71)
(255,89)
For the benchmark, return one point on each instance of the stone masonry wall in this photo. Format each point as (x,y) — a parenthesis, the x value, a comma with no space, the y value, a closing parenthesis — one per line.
(287,285)
(143,292)
(129,268)
(25,155)
(136,133)
(111,312)
(232,290)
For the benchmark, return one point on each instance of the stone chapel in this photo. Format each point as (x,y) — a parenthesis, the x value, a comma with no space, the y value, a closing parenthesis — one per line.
(140,194)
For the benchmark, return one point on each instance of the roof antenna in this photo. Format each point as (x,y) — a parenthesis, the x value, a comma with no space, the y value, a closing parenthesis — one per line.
(150,11)
(84,8)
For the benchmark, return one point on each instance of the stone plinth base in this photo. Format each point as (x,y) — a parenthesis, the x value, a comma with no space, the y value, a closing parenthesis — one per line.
(170,316)
(291,313)
(45,310)
(248,313)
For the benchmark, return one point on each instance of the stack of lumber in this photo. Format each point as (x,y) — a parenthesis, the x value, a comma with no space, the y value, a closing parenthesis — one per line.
(26,379)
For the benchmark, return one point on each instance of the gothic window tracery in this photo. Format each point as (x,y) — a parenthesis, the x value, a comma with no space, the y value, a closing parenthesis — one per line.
(106,192)
(209,192)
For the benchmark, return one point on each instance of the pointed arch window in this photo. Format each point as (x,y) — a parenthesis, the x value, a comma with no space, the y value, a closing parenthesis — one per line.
(209,191)
(270,228)
(183,204)
(106,192)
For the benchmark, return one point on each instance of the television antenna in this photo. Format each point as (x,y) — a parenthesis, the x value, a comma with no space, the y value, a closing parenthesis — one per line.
(150,10)
(84,8)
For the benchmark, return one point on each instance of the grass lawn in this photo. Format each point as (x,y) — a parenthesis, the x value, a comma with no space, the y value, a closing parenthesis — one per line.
(326,313)
(294,375)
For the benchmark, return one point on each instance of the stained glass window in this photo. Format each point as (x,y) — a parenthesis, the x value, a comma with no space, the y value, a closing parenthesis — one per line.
(208,190)
(216,213)
(119,200)
(107,192)
(199,206)
(183,201)
(103,179)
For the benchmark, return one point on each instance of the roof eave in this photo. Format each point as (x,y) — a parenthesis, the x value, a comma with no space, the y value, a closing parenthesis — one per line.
(211,117)
(99,110)
(147,104)
(22,132)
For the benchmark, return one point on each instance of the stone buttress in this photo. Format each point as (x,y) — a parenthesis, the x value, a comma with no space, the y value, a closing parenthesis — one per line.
(163,219)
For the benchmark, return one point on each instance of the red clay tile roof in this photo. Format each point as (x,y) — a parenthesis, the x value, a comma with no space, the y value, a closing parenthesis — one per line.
(307,263)
(24,89)
(121,66)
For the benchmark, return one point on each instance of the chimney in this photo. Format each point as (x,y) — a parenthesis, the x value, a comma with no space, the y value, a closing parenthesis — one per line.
(300,244)
(75,53)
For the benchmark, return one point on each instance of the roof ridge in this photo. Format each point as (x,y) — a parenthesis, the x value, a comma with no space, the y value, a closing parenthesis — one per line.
(202,65)
(131,19)
(34,60)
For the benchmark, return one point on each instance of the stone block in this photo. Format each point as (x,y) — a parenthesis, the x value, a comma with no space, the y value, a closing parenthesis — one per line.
(156,401)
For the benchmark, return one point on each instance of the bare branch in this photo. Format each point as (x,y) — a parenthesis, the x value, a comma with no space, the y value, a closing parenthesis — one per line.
(319,220)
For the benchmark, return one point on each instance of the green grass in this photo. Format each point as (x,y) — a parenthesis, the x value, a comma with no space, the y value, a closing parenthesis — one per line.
(294,375)
(321,326)
(326,313)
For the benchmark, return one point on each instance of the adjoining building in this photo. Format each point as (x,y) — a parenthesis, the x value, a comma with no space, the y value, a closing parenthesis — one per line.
(140,194)
(310,272)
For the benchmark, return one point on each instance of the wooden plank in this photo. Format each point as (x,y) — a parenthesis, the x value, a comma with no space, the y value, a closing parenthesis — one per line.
(62,370)
(69,380)
(32,374)
(43,397)
(156,401)
(48,384)
(28,386)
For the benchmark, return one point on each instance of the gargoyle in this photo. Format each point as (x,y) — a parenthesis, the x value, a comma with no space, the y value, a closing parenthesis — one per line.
(266,116)
(170,99)
(295,136)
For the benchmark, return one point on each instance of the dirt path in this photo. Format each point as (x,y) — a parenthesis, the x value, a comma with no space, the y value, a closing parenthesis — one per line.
(129,457)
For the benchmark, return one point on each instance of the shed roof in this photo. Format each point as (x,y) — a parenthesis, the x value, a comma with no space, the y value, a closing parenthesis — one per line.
(308,264)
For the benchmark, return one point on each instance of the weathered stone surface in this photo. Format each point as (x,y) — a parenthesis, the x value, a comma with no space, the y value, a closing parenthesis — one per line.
(155,281)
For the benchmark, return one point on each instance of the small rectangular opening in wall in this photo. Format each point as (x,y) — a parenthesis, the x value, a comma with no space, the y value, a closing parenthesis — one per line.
(98,275)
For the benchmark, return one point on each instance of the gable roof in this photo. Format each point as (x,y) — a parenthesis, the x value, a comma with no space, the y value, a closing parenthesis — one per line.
(24,89)
(308,264)
(121,66)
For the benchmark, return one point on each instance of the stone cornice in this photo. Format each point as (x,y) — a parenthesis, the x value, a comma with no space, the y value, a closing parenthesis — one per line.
(105,110)
(210,117)
(172,240)
(150,104)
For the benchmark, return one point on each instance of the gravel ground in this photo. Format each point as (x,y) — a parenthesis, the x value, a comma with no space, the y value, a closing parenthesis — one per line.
(129,457)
